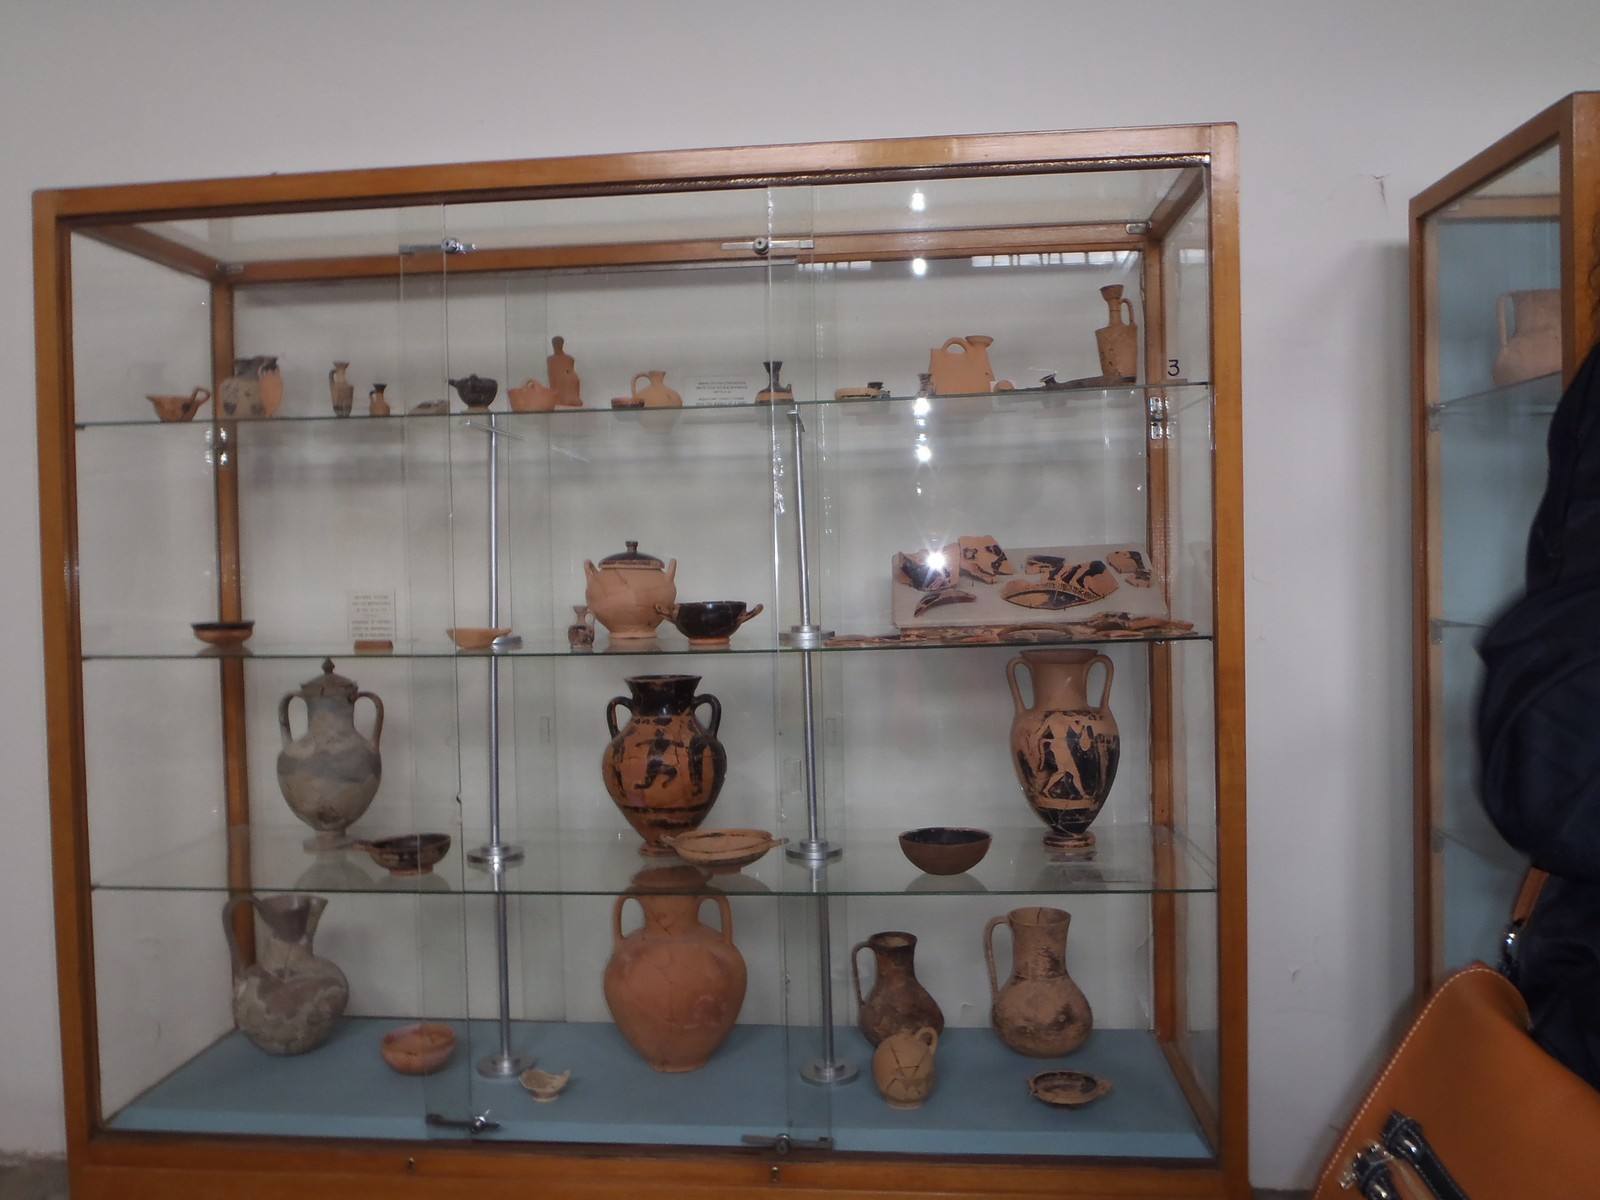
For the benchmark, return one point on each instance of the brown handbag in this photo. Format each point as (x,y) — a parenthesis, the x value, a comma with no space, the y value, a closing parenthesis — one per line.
(1470,1108)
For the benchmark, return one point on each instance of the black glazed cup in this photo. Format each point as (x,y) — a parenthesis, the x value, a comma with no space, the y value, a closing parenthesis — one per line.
(708,620)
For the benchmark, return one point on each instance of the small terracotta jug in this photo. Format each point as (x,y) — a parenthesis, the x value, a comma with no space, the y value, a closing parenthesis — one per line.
(655,393)
(288,1000)
(1118,342)
(961,366)
(663,769)
(1530,336)
(1040,1011)
(255,389)
(674,985)
(902,1067)
(1065,750)
(563,375)
(377,406)
(897,1002)
(341,390)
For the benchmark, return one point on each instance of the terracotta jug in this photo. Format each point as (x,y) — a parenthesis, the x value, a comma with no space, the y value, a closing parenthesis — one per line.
(624,590)
(563,375)
(674,985)
(898,1002)
(1064,749)
(341,389)
(255,389)
(902,1067)
(377,406)
(1039,1012)
(331,772)
(663,769)
(1530,336)
(1118,341)
(288,1000)
(961,366)
(655,393)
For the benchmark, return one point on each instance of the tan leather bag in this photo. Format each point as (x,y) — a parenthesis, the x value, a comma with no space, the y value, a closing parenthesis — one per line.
(1505,1120)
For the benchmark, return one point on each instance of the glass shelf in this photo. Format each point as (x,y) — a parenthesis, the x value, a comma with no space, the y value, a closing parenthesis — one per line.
(1127,859)
(1535,397)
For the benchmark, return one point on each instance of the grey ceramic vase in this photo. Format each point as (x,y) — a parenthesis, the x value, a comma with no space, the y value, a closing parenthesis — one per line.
(330,773)
(288,1000)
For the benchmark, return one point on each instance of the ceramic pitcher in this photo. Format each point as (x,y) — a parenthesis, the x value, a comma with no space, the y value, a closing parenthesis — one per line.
(961,366)
(330,773)
(1039,1011)
(902,1067)
(663,769)
(898,1001)
(1118,341)
(655,393)
(1065,750)
(289,999)
(255,389)
(1530,336)
(341,390)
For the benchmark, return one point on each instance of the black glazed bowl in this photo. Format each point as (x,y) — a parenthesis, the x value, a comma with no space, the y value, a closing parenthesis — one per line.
(943,850)
(409,853)
(709,620)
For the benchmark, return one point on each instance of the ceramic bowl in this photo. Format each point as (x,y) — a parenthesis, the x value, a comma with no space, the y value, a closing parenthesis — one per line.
(942,850)
(223,633)
(409,853)
(708,622)
(720,850)
(628,402)
(418,1049)
(544,1085)
(1067,1089)
(478,637)
(179,408)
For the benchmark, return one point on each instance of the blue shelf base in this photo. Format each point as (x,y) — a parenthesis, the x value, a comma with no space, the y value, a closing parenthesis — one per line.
(980,1103)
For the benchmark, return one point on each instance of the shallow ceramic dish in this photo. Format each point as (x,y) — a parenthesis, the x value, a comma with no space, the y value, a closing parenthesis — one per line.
(409,853)
(544,1085)
(708,622)
(223,633)
(722,850)
(944,850)
(1067,1089)
(179,408)
(476,637)
(418,1049)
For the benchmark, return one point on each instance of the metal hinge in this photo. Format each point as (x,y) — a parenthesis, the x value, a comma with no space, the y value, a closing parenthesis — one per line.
(217,447)
(1435,413)
(447,245)
(763,246)
(1160,410)
(476,1125)
(782,1144)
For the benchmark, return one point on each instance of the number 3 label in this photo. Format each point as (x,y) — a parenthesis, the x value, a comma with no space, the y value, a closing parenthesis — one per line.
(1172,368)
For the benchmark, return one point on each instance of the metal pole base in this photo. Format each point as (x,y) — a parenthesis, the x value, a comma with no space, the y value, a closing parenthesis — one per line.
(806,637)
(495,856)
(828,1074)
(503,1066)
(814,853)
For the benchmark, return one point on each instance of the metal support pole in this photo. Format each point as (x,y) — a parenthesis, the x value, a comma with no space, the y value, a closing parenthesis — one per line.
(828,1069)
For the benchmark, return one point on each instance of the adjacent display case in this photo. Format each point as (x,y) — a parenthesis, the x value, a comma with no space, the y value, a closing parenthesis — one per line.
(1505,270)
(598,565)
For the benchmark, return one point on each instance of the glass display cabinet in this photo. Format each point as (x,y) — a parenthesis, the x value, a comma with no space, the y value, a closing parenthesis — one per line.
(502,618)
(1504,304)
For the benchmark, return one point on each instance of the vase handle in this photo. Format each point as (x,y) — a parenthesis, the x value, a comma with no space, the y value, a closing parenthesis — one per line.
(616,921)
(727,913)
(1105,695)
(1011,678)
(855,974)
(377,728)
(633,388)
(227,927)
(752,614)
(962,342)
(988,956)
(1128,304)
(611,712)
(283,718)
(716,709)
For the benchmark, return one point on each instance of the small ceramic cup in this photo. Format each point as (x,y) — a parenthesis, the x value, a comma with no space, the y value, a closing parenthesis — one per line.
(708,622)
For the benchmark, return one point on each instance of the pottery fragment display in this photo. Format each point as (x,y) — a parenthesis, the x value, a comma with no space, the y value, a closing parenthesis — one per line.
(776,391)
(476,391)
(545,1086)
(1067,1089)
(942,850)
(255,389)
(1039,1011)
(902,1067)
(377,403)
(1131,565)
(708,622)
(663,769)
(897,1002)
(1055,583)
(674,986)
(531,397)
(722,851)
(289,999)
(655,393)
(1530,336)
(1118,341)
(979,557)
(421,1048)
(563,375)
(179,408)
(625,591)
(1064,749)
(341,390)
(961,367)
(330,773)
(408,854)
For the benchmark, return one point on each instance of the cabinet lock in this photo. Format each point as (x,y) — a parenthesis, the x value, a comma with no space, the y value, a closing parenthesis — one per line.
(474,1125)
(763,245)
(782,1144)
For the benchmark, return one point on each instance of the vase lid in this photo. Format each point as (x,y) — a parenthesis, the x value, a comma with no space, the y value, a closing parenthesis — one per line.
(329,683)
(633,559)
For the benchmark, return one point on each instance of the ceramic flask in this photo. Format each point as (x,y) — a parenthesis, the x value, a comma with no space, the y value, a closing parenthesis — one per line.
(663,768)
(1065,750)
(330,773)
(289,999)
(1039,1011)
(898,1002)
(1118,341)
(674,985)
(341,390)
(902,1067)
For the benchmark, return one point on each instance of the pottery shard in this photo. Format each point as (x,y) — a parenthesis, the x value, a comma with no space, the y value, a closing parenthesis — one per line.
(915,571)
(947,596)
(979,558)
(1131,565)
(1065,585)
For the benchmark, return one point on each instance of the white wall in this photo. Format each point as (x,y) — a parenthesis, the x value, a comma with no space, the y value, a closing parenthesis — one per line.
(1344,111)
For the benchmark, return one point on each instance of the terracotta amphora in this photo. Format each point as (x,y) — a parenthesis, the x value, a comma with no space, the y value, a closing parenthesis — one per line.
(898,1002)
(330,773)
(1118,342)
(655,393)
(625,590)
(288,1000)
(1064,749)
(255,389)
(663,768)
(674,985)
(563,375)
(961,366)
(1530,336)
(1039,1012)
(342,391)
(902,1067)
